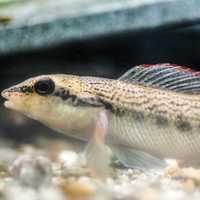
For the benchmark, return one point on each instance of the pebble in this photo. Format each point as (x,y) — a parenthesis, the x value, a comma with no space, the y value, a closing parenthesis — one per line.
(76,189)
(69,159)
(32,170)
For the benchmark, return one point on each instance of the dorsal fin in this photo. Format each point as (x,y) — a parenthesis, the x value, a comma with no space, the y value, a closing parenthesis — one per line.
(166,76)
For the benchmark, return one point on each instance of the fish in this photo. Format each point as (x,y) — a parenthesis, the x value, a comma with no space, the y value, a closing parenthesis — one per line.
(149,114)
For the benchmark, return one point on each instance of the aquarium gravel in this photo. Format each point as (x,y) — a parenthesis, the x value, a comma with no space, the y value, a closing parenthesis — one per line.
(37,172)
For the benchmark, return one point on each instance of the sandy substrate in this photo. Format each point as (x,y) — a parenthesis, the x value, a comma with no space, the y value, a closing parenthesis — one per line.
(52,170)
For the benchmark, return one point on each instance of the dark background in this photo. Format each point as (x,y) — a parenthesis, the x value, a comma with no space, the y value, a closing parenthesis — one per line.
(108,56)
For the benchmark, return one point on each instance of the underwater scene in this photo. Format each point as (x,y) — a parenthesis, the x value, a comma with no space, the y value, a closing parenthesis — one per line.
(100,100)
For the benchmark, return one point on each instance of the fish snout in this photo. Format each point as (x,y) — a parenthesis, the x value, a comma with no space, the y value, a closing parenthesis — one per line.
(5,93)
(10,95)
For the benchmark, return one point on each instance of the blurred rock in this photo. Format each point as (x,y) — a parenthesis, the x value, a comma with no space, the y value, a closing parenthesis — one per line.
(51,193)
(16,192)
(69,159)
(7,155)
(189,177)
(76,189)
(32,171)
(69,163)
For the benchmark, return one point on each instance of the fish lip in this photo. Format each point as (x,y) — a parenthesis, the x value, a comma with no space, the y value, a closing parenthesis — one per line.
(5,94)
(7,103)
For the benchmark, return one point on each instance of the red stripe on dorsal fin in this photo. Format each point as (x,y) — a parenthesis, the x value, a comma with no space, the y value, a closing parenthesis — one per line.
(166,76)
(178,67)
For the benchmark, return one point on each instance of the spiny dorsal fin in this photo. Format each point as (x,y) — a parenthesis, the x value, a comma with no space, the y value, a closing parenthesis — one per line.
(166,76)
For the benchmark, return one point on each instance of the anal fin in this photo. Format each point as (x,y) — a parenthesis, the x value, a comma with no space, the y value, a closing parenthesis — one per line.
(137,159)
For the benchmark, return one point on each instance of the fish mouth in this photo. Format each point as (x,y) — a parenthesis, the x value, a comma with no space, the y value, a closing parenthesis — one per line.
(8,103)
(5,94)
(8,93)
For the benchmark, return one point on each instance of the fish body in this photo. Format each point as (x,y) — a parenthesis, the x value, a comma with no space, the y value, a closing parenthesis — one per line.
(164,123)
(149,114)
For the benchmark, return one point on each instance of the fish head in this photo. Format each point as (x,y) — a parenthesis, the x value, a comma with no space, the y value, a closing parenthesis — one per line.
(24,97)
(50,98)
(34,94)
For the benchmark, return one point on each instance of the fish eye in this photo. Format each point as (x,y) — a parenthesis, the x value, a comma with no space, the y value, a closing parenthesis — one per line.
(44,86)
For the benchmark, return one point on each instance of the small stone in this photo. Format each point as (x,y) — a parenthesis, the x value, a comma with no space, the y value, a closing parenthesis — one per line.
(16,192)
(75,189)
(130,171)
(32,170)
(4,20)
(7,156)
(51,193)
(149,194)
(69,159)
(69,163)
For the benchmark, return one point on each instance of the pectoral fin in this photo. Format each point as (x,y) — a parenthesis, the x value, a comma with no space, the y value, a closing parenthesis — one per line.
(137,159)
(96,152)
(97,158)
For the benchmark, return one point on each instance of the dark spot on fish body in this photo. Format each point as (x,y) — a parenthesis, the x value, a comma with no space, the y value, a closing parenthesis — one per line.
(56,93)
(62,93)
(14,89)
(161,121)
(182,124)
(120,112)
(108,106)
(26,89)
(112,108)
(137,116)
(152,108)
(74,98)
(86,102)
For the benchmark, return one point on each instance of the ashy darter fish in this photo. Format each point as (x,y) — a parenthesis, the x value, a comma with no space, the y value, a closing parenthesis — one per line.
(150,113)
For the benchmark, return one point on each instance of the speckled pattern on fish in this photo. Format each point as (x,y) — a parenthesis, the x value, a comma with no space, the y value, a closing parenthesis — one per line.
(149,114)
